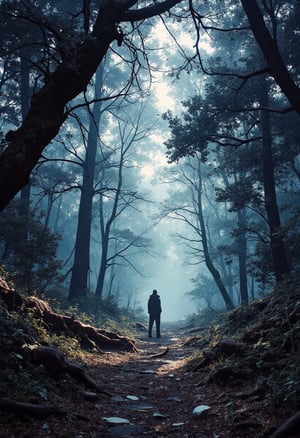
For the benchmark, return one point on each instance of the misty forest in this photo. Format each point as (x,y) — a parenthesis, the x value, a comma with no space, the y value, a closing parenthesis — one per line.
(150,145)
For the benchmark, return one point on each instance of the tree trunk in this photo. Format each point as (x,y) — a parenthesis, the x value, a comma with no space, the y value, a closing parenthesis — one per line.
(280,262)
(47,110)
(25,95)
(103,264)
(242,245)
(71,77)
(79,278)
(268,44)
(106,228)
(209,264)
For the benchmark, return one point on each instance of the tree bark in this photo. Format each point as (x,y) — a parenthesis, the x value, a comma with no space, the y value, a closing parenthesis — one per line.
(242,245)
(280,261)
(72,76)
(268,45)
(209,264)
(25,95)
(79,278)
(106,229)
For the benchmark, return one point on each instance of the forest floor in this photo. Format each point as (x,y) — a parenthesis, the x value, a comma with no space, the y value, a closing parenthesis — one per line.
(152,392)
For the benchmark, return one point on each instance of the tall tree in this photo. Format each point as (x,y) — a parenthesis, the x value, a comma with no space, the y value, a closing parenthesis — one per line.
(190,211)
(268,42)
(81,265)
(71,73)
(70,78)
(115,200)
(242,226)
(280,261)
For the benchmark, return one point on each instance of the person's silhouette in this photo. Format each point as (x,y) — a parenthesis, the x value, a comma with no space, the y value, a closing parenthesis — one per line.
(154,310)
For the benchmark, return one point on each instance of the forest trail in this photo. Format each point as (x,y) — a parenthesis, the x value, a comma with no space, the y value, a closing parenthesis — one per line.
(150,392)
(154,394)
(150,388)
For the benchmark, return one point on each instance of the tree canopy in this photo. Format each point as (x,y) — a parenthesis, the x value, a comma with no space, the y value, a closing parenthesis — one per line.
(74,45)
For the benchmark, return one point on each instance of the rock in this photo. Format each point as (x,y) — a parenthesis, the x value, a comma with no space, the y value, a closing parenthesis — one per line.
(140,408)
(118,398)
(176,399)
(132,397)
(198,410)
(116,420)
(159,415)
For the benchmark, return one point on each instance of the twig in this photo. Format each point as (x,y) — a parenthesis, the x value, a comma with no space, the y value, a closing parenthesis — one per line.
(160,354)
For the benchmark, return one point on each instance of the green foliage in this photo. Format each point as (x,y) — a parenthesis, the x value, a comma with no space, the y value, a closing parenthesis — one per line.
(205,318)
(14,333)
(104,313)
(192,133)
(269,330)
(28,249)
(18,374)
(69,345)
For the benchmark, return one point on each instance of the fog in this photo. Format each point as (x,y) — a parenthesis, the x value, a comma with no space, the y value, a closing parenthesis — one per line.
(155,178)
(171,282)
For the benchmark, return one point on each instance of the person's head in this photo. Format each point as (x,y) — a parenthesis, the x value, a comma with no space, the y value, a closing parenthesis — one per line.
(154,292)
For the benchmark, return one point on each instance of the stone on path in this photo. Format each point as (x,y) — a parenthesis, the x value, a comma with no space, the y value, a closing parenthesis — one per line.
(116,420)
(198,410)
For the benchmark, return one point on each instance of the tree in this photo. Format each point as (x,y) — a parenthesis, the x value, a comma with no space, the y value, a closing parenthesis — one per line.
(114,201)
(81,264)
(190,211)
(269,45)
(73,69)
(70,77)
(280,261)
(29,257)
(197,129)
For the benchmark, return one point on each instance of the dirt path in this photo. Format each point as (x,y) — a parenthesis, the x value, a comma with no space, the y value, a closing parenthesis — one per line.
(155,396)
(151,394)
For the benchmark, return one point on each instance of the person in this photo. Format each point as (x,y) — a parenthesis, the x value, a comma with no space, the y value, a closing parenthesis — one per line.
(154,310)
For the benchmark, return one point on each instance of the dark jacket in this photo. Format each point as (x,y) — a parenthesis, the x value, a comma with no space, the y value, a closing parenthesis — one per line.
(154,306)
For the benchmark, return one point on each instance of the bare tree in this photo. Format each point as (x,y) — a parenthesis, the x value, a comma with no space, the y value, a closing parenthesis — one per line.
(76,63)
(70,78)
(81,265)
(190,213)
(116,244)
